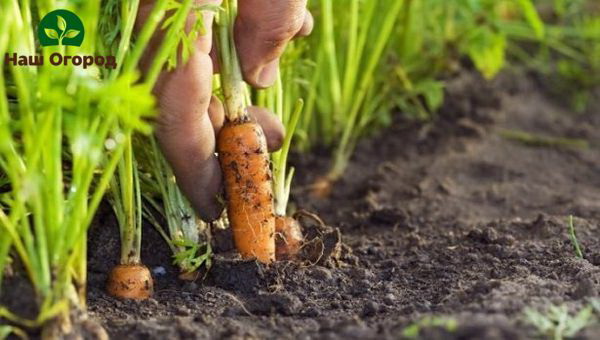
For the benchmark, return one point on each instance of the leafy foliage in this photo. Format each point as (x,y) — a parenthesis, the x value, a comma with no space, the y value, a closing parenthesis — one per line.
(557,323)
(81,122)
(85,122)
(189,257)
(184,229)
(353,74)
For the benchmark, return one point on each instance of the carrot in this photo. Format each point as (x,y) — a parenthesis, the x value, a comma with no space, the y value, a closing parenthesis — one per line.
(189,276)
(288,238)
(322,187)
(130,281)
(244,161)
(243,155)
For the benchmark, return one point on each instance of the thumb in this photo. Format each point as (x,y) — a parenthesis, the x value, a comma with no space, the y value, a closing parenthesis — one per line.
(262,30)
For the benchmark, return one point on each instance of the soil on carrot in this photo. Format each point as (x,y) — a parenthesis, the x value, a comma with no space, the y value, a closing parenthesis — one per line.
(447,220)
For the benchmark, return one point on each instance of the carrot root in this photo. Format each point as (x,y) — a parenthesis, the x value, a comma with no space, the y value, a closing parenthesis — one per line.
(189,276)
(244,161)
(130,282)
(288,238)
(322,187)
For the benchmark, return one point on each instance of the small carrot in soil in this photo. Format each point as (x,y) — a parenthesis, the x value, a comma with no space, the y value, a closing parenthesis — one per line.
(189,276)
(243,155)
(288,238)
(130,281)
(322,187)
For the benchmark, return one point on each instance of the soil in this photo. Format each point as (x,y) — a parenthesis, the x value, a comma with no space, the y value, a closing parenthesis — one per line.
(441,222)
(445,221)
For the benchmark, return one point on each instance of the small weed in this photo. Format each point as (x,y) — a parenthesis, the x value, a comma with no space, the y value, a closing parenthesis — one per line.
(6,331)
(533,140)
(596,304)
(573,238)
(557,323)
(414,330)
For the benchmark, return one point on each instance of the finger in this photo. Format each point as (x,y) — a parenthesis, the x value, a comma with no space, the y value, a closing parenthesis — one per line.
(186,136)
(184,127)
(271,125)
(214,55)
(262,29)
(216,112)
(307,25)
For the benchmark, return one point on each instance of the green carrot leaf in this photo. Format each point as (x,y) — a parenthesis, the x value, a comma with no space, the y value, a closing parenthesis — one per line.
(532,17)
(487,50)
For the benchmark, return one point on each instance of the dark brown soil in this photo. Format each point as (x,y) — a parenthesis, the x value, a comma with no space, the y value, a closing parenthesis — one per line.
(446,219)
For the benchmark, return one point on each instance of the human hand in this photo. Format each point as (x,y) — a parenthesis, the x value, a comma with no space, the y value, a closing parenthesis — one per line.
(190,117)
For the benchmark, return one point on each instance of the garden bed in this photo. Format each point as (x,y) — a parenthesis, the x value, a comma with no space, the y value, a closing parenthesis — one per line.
(448,219)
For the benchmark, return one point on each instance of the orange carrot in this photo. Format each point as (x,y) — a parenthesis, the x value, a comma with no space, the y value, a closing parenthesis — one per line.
(243,154)
(130,281)
(244,161)
(189,276)
(288,238)
(322,187)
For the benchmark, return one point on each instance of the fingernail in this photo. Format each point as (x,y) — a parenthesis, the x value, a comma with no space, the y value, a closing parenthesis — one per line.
(267,76)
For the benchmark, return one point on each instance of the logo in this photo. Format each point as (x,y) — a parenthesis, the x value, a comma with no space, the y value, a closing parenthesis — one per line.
(61,28)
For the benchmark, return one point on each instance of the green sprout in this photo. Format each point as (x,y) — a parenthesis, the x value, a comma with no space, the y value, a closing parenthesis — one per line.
(125,198)
(189,257)
(557,323)
(349,92)
(413,331)
(573,238)
(596,304)
(278,100)
(5,331)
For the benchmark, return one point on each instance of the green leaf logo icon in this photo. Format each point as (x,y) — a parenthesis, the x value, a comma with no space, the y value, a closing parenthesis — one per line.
(52,34)
(71,33)
(61,28)
(62,24)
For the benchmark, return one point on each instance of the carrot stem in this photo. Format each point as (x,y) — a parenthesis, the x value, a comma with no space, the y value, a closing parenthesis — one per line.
(234,90)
